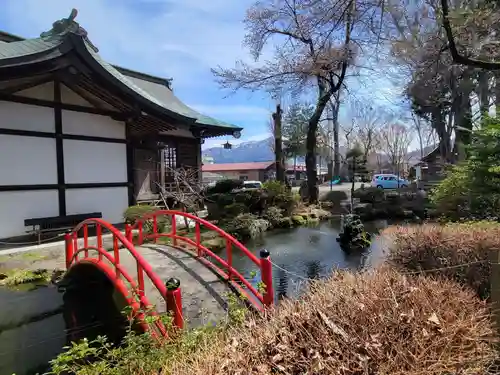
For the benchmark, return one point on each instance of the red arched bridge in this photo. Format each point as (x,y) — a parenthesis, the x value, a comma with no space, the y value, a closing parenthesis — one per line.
(158,267)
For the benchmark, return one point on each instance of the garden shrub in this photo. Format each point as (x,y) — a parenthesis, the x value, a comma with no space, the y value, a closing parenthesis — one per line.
(369,195)
(224,186)
(133,213)
(246,226)
(273,215)
(234,209)
(335,196)
(377,322)
(420,249)
(472,189)
(275,188)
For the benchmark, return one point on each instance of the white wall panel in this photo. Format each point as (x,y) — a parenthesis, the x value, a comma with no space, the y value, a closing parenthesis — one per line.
(112,202)
(92,125)
(43,92)
(68,96)
(16,206)
(26,117)
(94,162)
(27,160)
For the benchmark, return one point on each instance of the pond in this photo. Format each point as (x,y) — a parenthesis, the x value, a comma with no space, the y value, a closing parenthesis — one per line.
(35,321)
(307,253)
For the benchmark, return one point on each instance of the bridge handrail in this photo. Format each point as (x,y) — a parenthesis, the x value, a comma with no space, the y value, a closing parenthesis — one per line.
(205,223)
(142,264)
(157,282)
(265,298)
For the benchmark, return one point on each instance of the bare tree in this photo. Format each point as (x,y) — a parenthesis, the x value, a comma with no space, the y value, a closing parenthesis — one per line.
(425,133)
(368,120)
(395,143)
(312,48)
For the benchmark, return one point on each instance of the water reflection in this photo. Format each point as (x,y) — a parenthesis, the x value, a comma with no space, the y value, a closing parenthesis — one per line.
(308,253)
(37,322)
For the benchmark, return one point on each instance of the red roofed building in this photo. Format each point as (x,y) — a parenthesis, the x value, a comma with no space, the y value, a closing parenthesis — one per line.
(258,171)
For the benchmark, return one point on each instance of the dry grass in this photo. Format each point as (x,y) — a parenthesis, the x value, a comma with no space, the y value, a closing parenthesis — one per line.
(379,322)
(430,247)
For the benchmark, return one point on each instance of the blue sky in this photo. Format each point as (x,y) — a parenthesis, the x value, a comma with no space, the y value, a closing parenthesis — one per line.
(181,39)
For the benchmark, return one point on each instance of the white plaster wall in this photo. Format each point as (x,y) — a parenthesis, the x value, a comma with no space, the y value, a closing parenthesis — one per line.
(26,117)
(43,92)
(92,125)
(94,162)
(27,160)
(16,206)
(112,202)
(68,96)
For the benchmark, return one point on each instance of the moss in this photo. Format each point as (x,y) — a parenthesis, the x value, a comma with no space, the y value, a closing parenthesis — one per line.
(214,244)
(312,220)
(285,222)
(20,276)
(298,220)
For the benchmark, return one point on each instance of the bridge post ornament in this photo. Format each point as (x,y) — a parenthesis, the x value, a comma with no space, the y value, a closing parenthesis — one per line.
(173,284)
(264,253)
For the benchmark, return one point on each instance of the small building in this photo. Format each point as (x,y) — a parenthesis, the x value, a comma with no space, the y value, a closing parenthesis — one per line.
(258,171)
(79,135)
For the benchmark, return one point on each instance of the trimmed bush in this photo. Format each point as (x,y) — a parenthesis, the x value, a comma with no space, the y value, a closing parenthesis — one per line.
(133,213)
(335,196)
(224,186)
(428,247)
(378,322)
(369,195)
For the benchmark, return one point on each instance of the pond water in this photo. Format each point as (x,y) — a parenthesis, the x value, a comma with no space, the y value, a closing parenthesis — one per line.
(307,253)
(36,322)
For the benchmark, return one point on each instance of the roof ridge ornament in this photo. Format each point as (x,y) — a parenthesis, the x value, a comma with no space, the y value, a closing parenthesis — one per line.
(64,26)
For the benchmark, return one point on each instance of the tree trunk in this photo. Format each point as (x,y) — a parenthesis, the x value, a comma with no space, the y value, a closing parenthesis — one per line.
(311,161)
(278,145)
(484,93)
(439,124)
(463,118)
(496,92)
(336,154)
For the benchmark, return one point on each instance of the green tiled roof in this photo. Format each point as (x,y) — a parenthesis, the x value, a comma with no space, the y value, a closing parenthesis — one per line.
(168,101)
(49,48)
(26,47)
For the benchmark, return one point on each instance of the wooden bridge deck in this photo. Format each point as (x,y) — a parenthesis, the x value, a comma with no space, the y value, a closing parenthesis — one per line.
(203,292)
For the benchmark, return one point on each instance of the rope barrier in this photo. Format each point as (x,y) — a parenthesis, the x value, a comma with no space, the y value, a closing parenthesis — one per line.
(32,242)
(404,273)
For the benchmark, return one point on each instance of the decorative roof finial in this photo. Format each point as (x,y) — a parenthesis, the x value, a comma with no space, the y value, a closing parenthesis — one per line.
(64,26)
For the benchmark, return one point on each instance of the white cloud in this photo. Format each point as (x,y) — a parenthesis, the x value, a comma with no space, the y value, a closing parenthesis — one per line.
(178,38)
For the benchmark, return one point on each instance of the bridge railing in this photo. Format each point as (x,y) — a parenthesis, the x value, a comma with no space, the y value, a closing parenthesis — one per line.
(83,250)
(259,297)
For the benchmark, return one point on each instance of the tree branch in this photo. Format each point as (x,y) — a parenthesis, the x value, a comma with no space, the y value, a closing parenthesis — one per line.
(457,58)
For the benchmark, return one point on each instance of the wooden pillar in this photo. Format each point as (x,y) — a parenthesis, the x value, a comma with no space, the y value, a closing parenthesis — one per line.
(162,169)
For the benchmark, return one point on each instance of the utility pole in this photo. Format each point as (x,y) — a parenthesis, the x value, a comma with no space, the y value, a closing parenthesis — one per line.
(278,144)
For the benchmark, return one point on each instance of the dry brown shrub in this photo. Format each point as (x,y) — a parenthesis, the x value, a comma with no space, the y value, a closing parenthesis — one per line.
(440,250)
(378,322)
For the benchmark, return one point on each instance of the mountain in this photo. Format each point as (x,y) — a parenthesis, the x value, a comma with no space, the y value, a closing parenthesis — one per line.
(257,151)
(245,152)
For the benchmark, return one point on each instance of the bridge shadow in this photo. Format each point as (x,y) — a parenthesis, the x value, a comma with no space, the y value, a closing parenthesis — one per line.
(92,306)
(173,254)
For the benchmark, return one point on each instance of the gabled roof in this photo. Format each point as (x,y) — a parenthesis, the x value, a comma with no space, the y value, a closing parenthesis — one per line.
(67,35)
